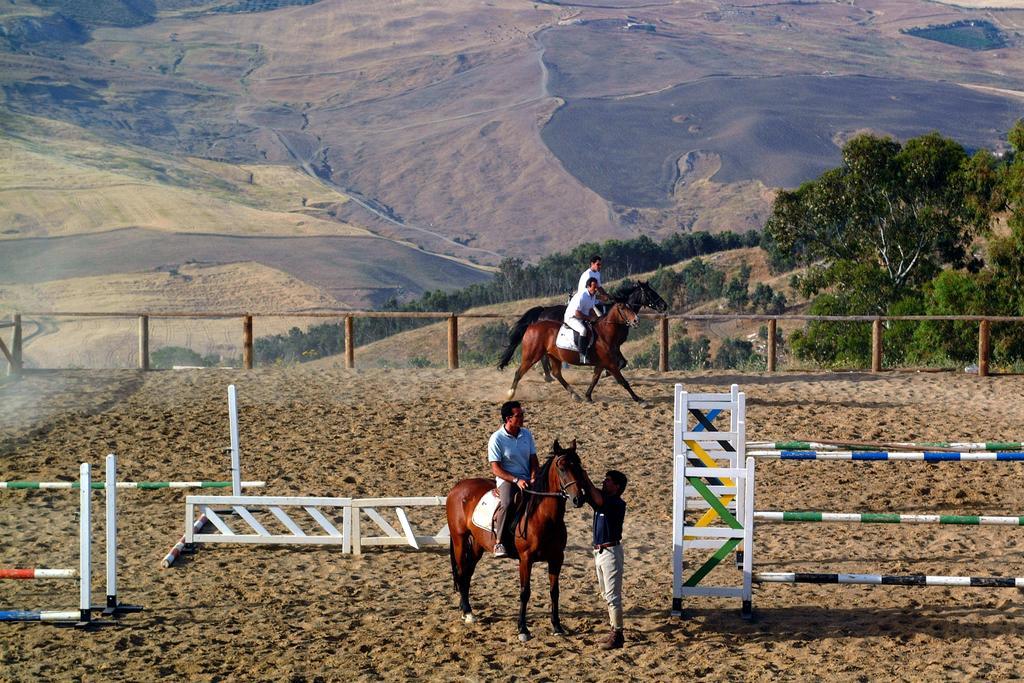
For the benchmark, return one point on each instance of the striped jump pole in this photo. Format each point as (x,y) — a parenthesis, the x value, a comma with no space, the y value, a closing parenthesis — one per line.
(886,518)
(140,485)
(178,548)
(903,445)
(83,616)
(29,574)
(878,456)
(891,579)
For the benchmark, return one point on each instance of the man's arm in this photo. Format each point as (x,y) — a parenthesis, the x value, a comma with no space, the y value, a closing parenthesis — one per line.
(503,474)
(594,496)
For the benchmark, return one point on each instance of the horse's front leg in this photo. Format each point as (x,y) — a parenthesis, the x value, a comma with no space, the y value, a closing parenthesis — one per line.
(617,374)
(554,569)
(525,564)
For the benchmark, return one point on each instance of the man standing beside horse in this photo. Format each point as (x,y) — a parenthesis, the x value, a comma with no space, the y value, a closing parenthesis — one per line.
(513,458)
(609,515)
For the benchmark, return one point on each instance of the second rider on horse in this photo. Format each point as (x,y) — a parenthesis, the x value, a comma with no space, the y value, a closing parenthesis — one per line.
(579,315)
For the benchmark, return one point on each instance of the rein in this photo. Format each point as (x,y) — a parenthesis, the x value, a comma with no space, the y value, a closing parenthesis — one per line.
(560,494)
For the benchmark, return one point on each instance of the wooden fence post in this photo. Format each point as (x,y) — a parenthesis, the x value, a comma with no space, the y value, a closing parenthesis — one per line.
(143,342)
(876,345)
(350,344)
(663,345)
(453,343)
(247,342)
(983,348)
(16,357)
(772,324)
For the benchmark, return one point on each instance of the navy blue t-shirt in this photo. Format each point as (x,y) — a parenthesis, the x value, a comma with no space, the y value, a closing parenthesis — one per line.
(608,520)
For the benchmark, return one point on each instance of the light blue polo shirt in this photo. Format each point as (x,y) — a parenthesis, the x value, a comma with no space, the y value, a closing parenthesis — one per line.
(511,452)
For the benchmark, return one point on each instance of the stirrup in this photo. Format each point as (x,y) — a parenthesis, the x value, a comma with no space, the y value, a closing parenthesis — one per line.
(499,550)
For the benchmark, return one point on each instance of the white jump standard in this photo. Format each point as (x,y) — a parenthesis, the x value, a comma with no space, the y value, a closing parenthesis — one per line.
(81,617)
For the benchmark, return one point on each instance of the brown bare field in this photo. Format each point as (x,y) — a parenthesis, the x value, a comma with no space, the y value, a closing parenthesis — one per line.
(235,612)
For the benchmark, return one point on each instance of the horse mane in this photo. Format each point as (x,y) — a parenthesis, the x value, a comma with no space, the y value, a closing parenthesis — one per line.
(542,487)
(624,291)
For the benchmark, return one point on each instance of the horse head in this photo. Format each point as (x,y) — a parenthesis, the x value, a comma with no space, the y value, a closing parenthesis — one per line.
(640,294)
(622,314)
(569,469)
(651,298)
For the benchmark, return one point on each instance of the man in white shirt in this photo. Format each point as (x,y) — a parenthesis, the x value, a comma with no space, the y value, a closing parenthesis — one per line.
(580,313)
(594,271)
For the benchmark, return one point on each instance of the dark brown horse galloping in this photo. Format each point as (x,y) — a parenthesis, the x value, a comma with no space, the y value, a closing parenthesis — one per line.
(538,340)
(540,535)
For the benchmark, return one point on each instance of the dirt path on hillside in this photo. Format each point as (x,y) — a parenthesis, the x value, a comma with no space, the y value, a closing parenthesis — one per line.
(259,613)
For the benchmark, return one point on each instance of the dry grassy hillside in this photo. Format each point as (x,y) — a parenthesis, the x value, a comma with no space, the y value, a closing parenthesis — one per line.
(58,179)
(112,342)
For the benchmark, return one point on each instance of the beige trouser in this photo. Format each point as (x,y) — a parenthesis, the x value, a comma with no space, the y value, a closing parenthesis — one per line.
(506,494)
(608,563)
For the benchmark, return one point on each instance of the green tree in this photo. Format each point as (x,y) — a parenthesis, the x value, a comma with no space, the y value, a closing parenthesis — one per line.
(902,211)
(737,291)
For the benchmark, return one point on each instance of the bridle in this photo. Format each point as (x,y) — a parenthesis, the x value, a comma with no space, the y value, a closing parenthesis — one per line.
(561,489)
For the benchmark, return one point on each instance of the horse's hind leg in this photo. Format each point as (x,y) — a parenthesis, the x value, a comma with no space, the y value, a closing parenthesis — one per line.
(463,566)
(556,370)
(593,382)
(545,364)
(527,362)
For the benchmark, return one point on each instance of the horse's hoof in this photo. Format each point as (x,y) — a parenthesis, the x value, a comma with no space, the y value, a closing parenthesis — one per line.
(523,637)
(469,618)
(558,631)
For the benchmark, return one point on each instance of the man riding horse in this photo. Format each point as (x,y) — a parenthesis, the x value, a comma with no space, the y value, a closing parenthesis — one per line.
(580,314)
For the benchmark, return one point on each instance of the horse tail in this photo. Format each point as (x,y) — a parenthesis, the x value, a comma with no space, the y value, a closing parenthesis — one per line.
(515,336)
(455,566)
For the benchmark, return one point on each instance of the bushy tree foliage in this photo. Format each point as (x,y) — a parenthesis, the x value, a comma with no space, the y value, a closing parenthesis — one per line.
(515,280)
(897,213)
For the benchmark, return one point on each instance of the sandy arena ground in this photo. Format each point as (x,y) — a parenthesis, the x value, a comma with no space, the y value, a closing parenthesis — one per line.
(294,613)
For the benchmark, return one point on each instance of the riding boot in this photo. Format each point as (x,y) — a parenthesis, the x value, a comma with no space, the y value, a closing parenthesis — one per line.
(614,641)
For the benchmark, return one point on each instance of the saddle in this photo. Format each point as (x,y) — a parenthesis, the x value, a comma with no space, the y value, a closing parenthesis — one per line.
(487,506)
(566,338)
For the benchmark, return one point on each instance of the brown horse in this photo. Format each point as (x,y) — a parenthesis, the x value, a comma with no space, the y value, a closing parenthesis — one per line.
(540,534)
(538,340)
